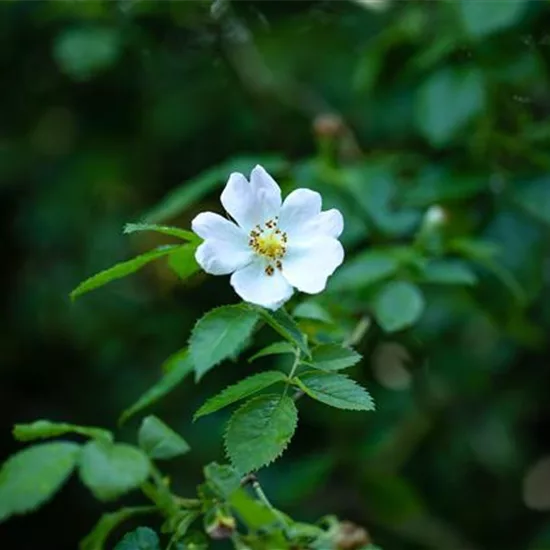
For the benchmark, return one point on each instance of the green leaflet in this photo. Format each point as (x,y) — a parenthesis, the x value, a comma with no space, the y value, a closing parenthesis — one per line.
(336,390)
(32,476)
(398,305)
(142,538)
(120,270)
(464,90)
(159,441)
(164,229)
(193,190)
(176,367)
(240,390)
(222,478)
(448,272)
(183,262)
(273,349)
(44,429)
(259,431)
(109,471)
(332,357)
(285,325)
(96,539)
(364,270)
(312,310)
(220,334)
(483,18)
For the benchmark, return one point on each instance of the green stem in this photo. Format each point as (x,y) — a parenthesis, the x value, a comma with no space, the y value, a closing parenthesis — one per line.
(293,369)
(263,498)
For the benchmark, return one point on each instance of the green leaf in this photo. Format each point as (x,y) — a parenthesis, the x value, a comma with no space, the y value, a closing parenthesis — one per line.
(32,476)
(260,431)
(183,262)
(285,325)
(159,441)
(448,272)
(336,390)
(191,191)
(330,357)
(164,229)
(483,18)
(398,305)
(222,478)
(120,270)
(463,90)
(364,270)
(240,390)
(81,52)
(96,539)
(109,471)
(313,311)
(44,429)
(273,349)
(534,198)
(220,334)
(177,367)
(142,538)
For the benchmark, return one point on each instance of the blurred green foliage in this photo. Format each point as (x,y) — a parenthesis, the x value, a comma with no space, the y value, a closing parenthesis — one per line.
(388,109)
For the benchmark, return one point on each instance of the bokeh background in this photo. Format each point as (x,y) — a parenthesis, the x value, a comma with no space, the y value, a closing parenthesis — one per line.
(107,107)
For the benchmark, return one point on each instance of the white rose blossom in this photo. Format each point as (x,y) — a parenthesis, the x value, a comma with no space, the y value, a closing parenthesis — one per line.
(274,245)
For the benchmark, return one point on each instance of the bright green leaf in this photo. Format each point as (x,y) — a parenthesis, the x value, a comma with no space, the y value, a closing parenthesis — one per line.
(222,478)
(240,390)
(219,334)
(182,261)
(164,229)
(448,272)
(83,52)
(285,325)
(364,270)
(44,429)
(398,305)
(142,538)
(120,270)
(96,539)
(176,367)
(159,441)
(336,390)
(463,90)
(482,18)
(534,198)
(277,348)
(32,476)
(193,190)
(260,431)
(312,310)
(109,471)
(330,357)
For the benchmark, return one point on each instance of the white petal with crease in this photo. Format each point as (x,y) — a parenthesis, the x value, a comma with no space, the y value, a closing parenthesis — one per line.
(239,200)
(221,258)
(308,266)
(268,193)
(298,210)
(253,285)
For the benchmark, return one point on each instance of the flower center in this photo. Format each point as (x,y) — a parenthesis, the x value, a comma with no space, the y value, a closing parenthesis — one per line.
(269,242)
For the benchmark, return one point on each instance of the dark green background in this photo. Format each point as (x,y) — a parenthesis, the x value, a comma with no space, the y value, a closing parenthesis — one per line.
(108,106)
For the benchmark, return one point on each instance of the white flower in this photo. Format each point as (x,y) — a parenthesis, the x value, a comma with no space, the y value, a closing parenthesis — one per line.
(274,245)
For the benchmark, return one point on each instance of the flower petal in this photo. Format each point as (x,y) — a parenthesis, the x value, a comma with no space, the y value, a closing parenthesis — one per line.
(299,208)
(239,199)
(208,225)
(307,266)
(222,257)
(253,285)
(268,193)
(326,224)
